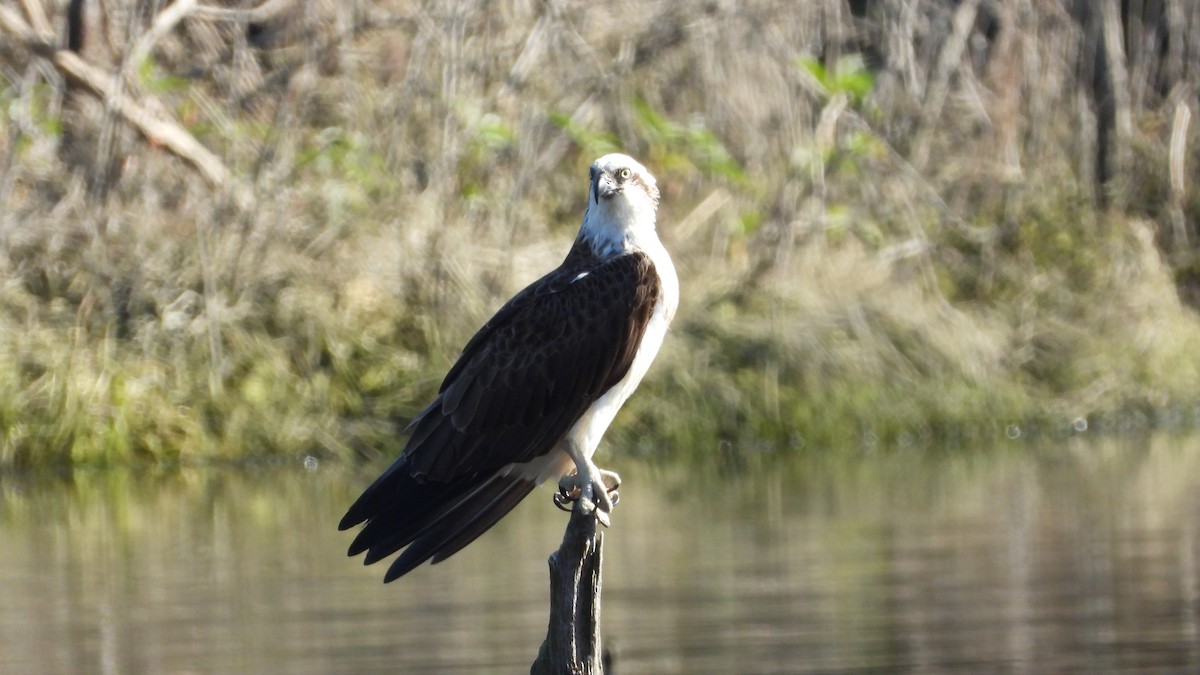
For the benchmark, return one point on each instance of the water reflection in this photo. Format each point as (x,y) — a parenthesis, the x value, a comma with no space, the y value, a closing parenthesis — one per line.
(1080,556)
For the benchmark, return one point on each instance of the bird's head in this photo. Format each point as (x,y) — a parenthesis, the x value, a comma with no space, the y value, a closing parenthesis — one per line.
(622,203)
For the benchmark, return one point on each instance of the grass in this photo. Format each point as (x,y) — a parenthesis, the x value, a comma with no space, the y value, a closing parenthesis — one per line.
(874,251)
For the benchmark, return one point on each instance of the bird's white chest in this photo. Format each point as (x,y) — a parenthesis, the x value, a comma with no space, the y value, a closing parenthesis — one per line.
(591,427)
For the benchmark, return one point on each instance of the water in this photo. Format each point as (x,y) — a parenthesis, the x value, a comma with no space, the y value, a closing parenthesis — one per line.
(1079,556)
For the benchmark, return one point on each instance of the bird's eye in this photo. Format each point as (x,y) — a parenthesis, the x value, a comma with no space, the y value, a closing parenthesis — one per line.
(623,174)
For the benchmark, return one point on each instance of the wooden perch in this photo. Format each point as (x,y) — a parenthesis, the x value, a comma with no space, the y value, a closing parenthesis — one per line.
(572,642)
(157,128)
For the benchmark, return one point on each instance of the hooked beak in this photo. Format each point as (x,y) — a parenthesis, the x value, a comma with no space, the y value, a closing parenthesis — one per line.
(604,187)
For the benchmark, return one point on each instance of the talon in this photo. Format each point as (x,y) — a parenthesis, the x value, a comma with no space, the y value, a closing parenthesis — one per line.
(563,501)
(569,486)
(568,492)
(593,489)
(611,480)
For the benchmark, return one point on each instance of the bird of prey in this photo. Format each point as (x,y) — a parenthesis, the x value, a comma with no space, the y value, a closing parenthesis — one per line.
(534,389)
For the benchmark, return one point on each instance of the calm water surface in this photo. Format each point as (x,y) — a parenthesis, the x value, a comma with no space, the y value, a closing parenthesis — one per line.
(1081,556)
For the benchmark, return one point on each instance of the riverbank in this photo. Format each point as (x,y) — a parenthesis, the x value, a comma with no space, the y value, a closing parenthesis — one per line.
(878,244)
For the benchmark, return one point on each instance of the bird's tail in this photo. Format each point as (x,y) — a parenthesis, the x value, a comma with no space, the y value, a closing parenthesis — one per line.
(433,519)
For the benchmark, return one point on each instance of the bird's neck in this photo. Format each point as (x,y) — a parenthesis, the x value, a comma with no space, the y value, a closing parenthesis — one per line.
(612,229)
(599,239)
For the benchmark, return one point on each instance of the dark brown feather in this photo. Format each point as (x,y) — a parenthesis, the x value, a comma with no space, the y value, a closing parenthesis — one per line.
(520,384)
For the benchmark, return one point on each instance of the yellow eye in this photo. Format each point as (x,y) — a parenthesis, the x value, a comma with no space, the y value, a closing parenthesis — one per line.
(624,174)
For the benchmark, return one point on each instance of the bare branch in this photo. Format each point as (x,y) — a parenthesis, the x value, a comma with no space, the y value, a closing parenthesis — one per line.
(158,129)
(1179,133)
(266,11)
(1177,156)
(13,24)
(949,62)
(164,23)
(1118,72)
(37,17)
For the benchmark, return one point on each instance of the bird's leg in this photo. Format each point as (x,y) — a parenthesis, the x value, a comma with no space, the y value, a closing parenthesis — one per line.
(592,488)
(569,491)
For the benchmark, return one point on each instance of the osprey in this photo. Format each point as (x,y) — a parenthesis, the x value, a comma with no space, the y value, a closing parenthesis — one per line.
(534,389)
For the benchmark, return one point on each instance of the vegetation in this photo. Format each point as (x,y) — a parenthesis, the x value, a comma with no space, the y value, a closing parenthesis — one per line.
(895,222)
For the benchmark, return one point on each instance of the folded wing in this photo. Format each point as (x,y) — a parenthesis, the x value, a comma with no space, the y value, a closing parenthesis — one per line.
(522,381)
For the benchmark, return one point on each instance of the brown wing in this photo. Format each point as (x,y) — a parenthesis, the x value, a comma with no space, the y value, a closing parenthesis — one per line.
(525,378)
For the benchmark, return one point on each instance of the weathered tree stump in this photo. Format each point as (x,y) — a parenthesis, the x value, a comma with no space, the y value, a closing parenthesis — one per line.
(572,642)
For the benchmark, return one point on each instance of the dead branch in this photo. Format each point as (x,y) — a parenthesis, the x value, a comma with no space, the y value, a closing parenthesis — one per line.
(1177,157)
(37,17)
(572,642)
(163,24)
(264,12)
(1113,34)
(159,129)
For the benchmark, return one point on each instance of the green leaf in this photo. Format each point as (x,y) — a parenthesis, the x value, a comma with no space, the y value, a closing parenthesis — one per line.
(850,76)
(816,69)
(591,142)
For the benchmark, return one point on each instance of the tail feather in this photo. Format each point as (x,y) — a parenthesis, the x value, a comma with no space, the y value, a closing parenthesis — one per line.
(389,487)
(434,519)
(485,520)
(410,508)
(462,524)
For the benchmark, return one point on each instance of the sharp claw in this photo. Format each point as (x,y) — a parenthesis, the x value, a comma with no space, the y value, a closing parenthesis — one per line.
(563,501)
(598,497)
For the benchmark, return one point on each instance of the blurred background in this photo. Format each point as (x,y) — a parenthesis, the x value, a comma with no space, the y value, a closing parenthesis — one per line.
(940,289)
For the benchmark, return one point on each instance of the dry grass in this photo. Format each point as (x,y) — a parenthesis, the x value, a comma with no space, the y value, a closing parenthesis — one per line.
(870,255)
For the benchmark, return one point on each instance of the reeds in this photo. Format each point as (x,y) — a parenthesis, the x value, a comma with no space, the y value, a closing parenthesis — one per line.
(890,228)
